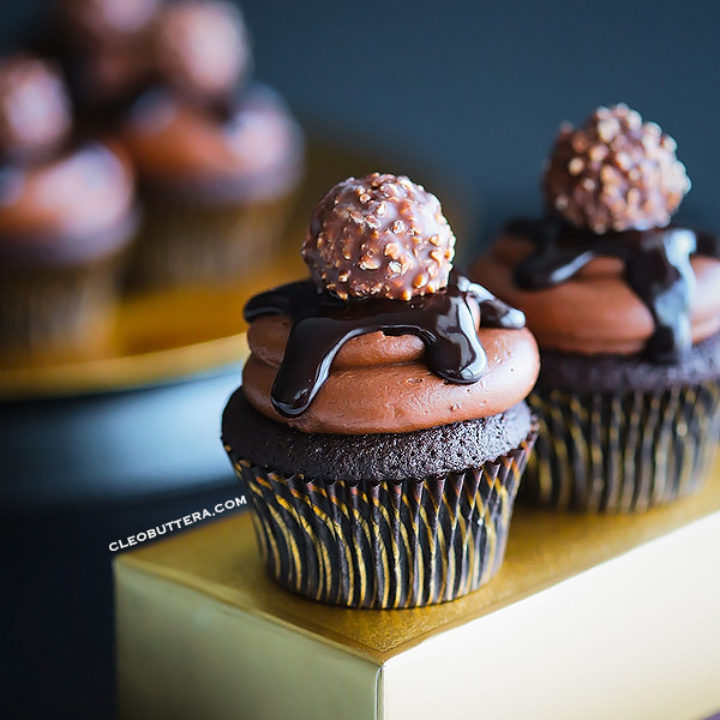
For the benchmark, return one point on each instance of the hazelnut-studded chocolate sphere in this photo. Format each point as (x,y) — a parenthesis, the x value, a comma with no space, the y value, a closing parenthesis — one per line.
(615,173)
(202,48)
(379,236)
(35,114)
(99,22)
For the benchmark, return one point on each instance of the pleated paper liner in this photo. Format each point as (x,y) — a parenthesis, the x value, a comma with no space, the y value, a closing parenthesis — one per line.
(59,313)
(388,545)
(604,452)
(186,243)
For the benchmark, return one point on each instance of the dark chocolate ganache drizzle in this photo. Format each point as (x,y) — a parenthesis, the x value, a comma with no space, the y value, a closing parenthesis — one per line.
(323,323)
(657,268)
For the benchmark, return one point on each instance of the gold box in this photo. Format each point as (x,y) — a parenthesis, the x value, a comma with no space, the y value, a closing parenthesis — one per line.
(590,617)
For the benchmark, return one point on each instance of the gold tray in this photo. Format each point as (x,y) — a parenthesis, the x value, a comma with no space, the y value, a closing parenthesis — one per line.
(571,544)
(591,617)
(166,336)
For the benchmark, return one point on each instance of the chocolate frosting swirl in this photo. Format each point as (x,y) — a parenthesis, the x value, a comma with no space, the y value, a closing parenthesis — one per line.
(78,205)
(253,153)
(322,323)
(656,266)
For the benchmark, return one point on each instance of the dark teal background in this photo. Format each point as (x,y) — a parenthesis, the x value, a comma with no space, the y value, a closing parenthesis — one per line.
(479,88)
(474,89)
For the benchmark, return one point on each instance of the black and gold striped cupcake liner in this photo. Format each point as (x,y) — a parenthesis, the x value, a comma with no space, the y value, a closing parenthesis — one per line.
(190,244)
(390,545)
(604,452)
(57,314)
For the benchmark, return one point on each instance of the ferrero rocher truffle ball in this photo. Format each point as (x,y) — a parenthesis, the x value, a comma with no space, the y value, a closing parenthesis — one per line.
(106,21)
(379,236)
(615,173)
(35,114)
(202,48)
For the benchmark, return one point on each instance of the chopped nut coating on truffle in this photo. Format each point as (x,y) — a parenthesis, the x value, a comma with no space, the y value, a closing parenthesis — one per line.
(615,173)
(35,114)
(379,236)
(104,22)
(202,47)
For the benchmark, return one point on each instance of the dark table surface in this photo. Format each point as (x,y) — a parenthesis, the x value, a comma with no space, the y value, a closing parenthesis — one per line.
(475,89)
(56,610)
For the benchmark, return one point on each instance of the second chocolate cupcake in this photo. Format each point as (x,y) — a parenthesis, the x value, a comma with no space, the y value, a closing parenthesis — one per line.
(380,434)
(626,310)
(218,160)
(67,217)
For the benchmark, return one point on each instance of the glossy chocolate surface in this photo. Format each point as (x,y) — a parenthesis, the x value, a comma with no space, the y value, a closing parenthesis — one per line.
(657,268)
(322,323)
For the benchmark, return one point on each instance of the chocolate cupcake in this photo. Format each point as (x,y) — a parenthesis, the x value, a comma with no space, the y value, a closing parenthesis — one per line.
(218,160)
(105,48)
(380,429)
(66,214)
(626,309)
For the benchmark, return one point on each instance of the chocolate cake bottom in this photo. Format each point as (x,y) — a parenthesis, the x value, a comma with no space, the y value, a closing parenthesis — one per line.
(623,434)
(429,532)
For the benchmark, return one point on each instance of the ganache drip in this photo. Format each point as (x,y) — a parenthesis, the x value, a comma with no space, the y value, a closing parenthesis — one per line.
(657,268)
(322,324)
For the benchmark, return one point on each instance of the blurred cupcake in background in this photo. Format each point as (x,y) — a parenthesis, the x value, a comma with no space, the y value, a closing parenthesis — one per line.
(218,159)
(626,309)
(67,213)
(105,48)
